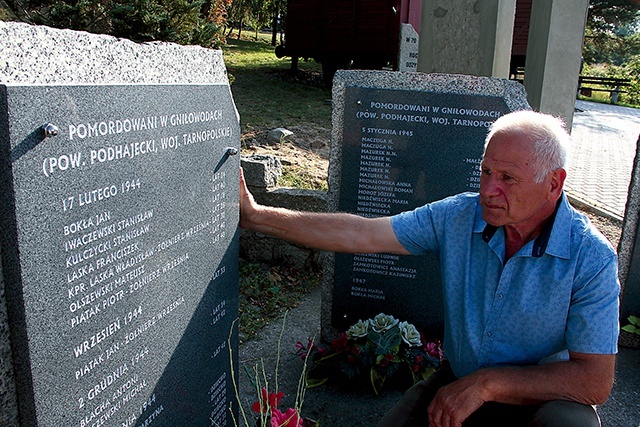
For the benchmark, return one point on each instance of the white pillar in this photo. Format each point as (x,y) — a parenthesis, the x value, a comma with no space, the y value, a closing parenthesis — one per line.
(554,53)
(466,37)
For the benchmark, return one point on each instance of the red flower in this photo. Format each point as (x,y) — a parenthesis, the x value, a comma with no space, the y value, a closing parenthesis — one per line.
(301,350)
(308,350)
(340,343)
(355,350)
(415,368)
(290,418)
(267,401)
(433,349)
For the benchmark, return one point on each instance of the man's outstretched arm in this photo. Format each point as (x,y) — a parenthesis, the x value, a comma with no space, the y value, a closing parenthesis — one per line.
(338,232)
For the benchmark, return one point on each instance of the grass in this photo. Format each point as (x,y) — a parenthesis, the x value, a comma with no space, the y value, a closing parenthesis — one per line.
(267,292)
(604,98)
(299,177)
(265,91)
(267,96)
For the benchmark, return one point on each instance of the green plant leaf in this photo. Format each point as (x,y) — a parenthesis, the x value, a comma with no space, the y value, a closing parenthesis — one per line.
(385,342)
(315,382)
(632,329)
(426,373)
(634,320)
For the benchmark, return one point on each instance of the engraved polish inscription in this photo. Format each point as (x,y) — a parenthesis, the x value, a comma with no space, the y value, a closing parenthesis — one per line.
(138,236)
(411,148)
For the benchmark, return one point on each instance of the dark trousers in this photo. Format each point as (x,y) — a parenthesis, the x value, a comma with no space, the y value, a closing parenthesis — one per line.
(411,410)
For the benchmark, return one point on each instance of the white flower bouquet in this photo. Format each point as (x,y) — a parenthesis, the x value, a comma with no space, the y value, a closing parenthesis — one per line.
(375,349)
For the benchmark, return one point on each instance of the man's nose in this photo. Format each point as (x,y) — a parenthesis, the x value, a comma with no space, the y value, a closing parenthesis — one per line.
(489,185)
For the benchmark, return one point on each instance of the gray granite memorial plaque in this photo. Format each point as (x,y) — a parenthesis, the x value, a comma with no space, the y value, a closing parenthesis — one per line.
(402,140)
(120,252)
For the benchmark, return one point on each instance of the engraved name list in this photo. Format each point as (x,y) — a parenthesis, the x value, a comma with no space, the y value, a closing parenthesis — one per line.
(410,148)
(127,240)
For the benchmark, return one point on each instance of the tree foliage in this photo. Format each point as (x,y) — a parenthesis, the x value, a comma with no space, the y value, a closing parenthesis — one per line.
(179,21)
(612,43)
(611,16)
(610,36)
(256,14)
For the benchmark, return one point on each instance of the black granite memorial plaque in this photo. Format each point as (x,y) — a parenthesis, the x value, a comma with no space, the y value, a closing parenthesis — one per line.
(120,252)
(402,149)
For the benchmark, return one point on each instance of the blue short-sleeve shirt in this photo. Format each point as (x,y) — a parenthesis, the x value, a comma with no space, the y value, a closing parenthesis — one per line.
(557,293)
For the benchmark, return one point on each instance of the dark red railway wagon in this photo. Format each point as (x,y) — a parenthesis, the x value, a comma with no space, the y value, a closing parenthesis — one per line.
(364,33)
(347,33)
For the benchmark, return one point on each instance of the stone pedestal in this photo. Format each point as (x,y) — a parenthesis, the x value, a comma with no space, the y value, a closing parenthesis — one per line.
(629,256)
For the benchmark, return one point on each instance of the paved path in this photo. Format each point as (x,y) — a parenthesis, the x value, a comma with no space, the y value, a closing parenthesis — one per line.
(604,145)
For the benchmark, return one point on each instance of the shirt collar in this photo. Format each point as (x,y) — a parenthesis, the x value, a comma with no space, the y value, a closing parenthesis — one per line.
(555,238)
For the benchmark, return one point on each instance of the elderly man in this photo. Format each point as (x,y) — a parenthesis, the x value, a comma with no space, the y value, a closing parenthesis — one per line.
(530,287)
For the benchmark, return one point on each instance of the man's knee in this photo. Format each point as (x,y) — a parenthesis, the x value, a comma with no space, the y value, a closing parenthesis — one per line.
(411,410)
(419,391)
(561,413)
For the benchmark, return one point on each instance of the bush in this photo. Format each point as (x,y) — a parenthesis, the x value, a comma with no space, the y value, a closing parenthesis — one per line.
(631,70)
(179,21)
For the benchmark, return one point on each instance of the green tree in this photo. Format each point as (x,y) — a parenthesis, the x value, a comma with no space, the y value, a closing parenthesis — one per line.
(86,15)
(179,21)
(610,36)
(213,30)
(256,14)
(278,13)
(609,16)
(238,14)
(260,15)
(631,70)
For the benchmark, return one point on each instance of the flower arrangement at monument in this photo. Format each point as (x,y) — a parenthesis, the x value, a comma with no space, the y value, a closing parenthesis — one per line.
(380,350)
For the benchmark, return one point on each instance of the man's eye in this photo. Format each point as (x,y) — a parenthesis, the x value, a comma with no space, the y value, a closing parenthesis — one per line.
(486,172)
(508,178)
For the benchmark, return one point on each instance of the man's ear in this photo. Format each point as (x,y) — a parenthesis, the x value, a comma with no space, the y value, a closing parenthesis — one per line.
(556,183)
